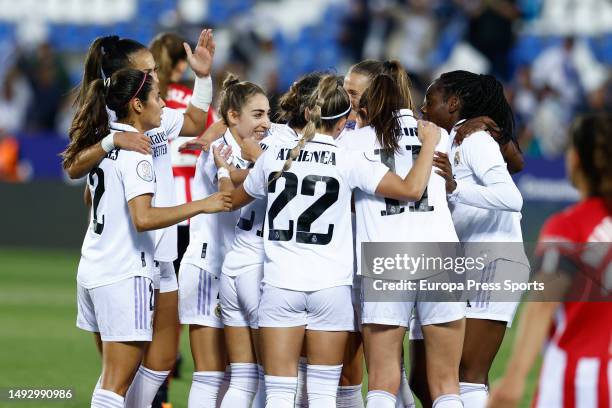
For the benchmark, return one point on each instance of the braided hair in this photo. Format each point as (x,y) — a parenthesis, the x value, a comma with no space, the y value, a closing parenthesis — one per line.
(329,100)
(480,95)
(293,103)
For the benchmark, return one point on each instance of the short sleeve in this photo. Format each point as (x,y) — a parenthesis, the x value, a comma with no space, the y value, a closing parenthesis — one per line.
(364,174)
(256,184)
(137,174)
(172,122)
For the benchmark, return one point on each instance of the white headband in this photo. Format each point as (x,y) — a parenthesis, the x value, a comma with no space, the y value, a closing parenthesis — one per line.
(337,116)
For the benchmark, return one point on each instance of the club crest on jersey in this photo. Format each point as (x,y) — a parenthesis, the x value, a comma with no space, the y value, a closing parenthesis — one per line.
(145,170)
(457,158)
(218,310)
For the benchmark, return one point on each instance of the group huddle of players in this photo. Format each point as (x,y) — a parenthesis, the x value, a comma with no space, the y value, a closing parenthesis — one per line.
(270,216)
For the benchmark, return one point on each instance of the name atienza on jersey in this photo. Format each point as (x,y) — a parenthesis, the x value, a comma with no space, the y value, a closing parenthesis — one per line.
(308,211)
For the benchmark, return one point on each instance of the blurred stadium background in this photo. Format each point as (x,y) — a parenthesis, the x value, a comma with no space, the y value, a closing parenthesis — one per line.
(554,57)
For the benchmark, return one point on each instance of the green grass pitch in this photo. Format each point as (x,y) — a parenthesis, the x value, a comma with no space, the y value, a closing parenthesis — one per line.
(40,346)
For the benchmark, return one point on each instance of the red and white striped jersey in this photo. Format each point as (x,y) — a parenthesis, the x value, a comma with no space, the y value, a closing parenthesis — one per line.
(577,368)
(183,163)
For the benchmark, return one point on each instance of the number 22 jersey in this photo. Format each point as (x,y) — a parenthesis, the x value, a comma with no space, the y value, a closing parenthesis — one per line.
(307,231)
(113,250)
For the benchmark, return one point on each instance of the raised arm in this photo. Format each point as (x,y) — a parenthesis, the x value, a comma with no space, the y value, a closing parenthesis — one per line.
(200,61)
(411,187)
(146,218)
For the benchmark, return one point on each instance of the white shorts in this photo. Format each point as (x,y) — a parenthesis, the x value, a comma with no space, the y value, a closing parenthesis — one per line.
(401,313)
(165,277)
(121,311)
(199,297)
(427,313)
(326,309)
(239,296)
(479,306)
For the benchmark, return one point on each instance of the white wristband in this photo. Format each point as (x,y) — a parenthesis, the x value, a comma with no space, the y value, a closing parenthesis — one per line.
(222,172)
(108,143)
(202,93)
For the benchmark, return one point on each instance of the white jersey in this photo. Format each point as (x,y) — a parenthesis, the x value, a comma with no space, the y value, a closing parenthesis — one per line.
(113,250)
(171,124)
(248,248)
(486,204)
(307,232)
(211,235)
(386,220)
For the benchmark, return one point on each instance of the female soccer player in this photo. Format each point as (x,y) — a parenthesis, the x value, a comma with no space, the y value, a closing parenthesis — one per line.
(116,268)
(576,368)
(485,206)
(245,108)
(105,56)
(308,268)
(392,139)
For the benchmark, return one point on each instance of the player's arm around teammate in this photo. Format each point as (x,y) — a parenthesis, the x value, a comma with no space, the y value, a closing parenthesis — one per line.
(117,254)
(106,55)
(486,207)
(314,300)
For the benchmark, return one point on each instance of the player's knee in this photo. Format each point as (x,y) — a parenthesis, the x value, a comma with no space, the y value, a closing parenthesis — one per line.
(382,380)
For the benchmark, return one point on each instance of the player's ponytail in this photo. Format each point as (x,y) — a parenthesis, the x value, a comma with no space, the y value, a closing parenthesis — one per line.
(327,105)
(293,103)
(167,50)
(90,124)
(480,95)
(590,137)
(396,71)
(382,101)
(105,56)
(235,94)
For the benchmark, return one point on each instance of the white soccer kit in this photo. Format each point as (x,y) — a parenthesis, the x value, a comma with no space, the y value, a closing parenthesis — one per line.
(307,232)
(486,207)
(380,219)
(113,251)
(210,237)
(242,269)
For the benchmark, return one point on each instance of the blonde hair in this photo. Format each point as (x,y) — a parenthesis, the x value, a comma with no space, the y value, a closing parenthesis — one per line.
(167,50)
(328,100)
(235,94)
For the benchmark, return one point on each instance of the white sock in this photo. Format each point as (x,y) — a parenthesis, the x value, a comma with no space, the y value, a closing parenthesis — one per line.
(405,399)
(380,399)
(260,396)
(205,389)
(144,386)
(280,391)
(243,386)
(349,396)
(322,384)
(224,387)
(474,395)
(449,401)
(106,399)
(301,396)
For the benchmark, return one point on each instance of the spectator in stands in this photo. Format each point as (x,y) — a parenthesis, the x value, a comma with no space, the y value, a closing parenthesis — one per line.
(355,28)
(490,30)
(15,97)
(50,84)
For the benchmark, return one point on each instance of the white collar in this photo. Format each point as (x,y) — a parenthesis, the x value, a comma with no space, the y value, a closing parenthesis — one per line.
(459,123)
(404,112)
(122,127)
(326,139)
